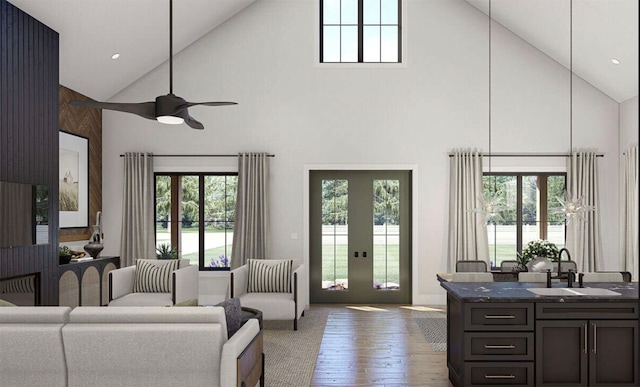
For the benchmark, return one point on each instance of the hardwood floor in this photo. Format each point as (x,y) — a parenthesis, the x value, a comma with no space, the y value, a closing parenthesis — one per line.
(377,345)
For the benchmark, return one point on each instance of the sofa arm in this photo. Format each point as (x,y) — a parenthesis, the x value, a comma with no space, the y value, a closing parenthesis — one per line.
(185,284)
(238,281)
(299,287)
(121,282)
(242,356)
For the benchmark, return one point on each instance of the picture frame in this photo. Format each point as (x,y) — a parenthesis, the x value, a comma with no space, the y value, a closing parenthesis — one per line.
(73,180)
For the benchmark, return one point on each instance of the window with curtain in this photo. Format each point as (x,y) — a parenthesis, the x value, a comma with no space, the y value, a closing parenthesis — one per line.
(530,210)
(195,214)
(360,31)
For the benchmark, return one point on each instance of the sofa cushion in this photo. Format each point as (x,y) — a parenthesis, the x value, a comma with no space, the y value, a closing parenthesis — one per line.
(269,276)
(233,314)
(151,278)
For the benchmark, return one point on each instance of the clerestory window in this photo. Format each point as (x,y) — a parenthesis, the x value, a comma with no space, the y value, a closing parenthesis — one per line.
(360,31)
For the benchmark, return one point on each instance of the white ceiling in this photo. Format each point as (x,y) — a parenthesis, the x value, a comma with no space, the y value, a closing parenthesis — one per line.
(602,29)
(92,30)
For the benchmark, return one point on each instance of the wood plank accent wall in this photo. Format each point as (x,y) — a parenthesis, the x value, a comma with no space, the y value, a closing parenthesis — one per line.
(87,123)
(29,134)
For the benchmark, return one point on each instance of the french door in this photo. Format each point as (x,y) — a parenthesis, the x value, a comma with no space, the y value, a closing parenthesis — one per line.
(360,237)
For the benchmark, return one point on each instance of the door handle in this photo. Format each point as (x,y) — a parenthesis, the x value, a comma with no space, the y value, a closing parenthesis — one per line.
(595,338)
(364,254)
(355,254)
(585,338)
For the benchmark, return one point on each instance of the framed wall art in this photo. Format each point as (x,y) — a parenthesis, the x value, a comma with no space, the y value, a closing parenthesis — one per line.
(74,181)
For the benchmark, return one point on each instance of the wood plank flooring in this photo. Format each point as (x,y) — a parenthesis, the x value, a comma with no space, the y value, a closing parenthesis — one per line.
(376,345)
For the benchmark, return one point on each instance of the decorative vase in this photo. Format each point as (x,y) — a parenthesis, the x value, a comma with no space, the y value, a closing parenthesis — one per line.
(540,264)
(93,248)
(64,259)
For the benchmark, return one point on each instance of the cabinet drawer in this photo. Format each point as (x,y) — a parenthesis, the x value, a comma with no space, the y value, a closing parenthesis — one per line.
(498,317)
(505,346)
(587,310)
(499,374)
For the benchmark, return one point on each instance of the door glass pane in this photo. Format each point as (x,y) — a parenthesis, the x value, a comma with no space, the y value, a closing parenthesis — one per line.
(335,234)
(555,217)
(386,234)
(219,209)
(189,209)
(163,210)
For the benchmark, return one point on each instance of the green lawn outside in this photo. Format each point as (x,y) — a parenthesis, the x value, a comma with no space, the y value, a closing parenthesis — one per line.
(340,267)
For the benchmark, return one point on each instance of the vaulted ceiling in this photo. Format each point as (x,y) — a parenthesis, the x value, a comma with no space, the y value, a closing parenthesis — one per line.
(92,30)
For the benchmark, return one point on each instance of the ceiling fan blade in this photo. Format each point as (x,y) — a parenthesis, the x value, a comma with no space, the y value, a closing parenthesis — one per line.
(143,109)
(192,122)
(210,103)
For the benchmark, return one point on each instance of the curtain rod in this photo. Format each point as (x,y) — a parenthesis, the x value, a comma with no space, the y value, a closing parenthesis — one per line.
(199,155)
(527,155)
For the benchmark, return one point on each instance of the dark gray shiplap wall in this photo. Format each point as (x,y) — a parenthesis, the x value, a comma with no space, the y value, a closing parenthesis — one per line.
(29,133)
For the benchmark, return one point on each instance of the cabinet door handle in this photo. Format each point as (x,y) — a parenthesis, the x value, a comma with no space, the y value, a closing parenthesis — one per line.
(499,346)
(595,337)
(499,376)
(490,316)
(584,348)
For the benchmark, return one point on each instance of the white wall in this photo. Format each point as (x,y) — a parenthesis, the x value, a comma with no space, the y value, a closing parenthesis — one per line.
(408,114)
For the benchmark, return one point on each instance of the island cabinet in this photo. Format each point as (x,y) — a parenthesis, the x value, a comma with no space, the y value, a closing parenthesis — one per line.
(502,333)
(587,344)
(490,344)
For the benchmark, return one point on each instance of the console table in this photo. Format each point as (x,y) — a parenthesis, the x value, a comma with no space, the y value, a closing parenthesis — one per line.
(87,282)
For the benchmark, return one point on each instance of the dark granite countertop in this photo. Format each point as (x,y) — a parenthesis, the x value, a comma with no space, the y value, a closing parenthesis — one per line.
(517,292)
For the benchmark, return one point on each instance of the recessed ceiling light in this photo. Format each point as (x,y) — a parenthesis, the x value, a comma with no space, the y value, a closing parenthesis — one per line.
(615,61)
(115,56)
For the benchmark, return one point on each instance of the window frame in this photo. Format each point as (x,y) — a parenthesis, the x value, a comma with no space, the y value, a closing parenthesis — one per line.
(519,208)
(360,27)
(176,184)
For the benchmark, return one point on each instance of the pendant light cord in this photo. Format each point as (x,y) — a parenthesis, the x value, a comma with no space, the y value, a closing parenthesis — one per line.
(570,77)
(170,46)
(490,86)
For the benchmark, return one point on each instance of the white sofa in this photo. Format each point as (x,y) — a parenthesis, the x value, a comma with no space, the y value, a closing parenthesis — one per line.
(126,346)
(184,286)
(274,306)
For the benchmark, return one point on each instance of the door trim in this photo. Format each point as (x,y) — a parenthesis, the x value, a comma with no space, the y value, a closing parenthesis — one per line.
(307,168)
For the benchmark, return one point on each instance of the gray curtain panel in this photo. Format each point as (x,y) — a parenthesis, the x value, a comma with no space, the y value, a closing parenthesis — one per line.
(251,225)
(468,238)
(630,213)
(583,232)
(138,238)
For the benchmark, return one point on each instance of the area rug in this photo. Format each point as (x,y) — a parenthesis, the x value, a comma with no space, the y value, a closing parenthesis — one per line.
(290,356)
(433,324)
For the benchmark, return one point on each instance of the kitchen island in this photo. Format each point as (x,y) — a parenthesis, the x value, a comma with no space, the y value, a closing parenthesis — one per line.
(507,333)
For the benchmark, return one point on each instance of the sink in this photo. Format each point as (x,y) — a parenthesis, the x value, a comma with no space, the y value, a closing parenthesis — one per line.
(573,292)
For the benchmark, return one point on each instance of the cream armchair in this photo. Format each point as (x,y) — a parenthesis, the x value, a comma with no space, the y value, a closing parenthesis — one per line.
(273,305)
(182,285)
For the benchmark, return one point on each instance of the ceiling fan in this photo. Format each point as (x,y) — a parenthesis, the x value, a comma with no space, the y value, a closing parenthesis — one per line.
(167,109)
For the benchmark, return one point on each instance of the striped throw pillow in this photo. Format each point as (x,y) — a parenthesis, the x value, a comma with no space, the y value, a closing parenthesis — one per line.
(269,278)
(151,278)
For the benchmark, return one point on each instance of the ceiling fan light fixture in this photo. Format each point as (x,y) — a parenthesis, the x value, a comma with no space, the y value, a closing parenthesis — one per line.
(171,120)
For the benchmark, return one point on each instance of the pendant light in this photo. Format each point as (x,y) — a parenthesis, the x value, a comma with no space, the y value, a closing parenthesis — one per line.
(572,206)
(491,203)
